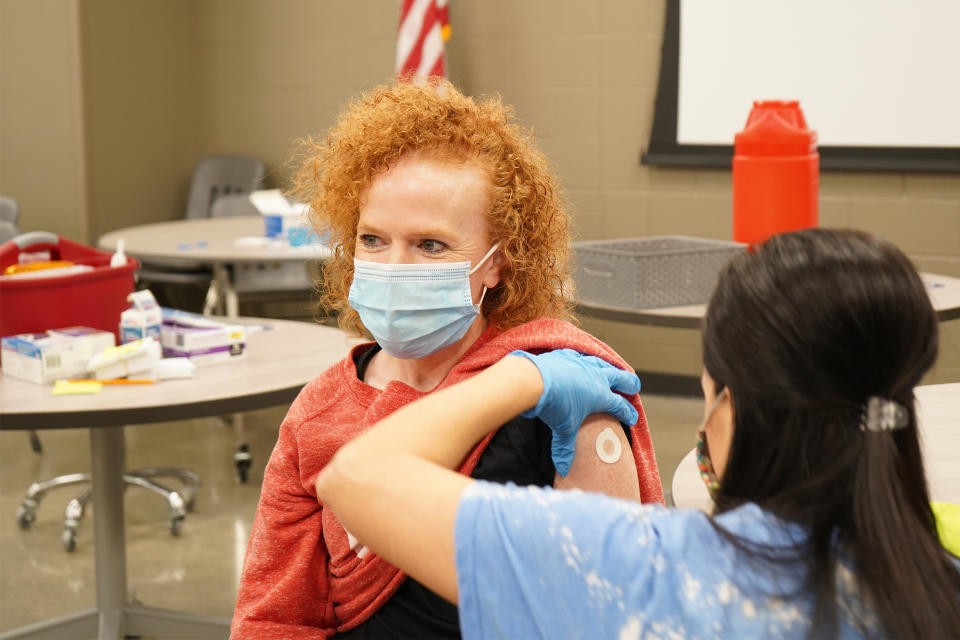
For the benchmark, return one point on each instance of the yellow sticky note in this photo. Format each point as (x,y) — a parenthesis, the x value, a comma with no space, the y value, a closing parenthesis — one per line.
(948,525)
(65,387)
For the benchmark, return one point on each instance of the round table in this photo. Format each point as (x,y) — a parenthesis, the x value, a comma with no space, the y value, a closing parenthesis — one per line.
(219,242)
(944,293)
(280,359)
(938,407)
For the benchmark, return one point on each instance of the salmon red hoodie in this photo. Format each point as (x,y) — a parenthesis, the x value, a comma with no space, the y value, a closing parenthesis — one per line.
(304,576)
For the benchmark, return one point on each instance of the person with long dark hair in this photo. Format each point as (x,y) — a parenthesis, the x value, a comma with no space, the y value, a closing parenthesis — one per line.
(812,348)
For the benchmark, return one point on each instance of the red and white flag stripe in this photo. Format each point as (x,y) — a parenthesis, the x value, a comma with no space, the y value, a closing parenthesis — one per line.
(424,27)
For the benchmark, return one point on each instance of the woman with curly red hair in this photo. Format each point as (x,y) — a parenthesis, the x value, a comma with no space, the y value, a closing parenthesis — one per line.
(450,248)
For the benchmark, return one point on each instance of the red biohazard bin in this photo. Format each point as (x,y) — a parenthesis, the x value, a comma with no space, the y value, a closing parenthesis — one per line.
(91,299)
(776,173)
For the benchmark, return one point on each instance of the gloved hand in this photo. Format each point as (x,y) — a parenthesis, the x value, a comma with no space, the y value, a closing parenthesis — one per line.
(574,386)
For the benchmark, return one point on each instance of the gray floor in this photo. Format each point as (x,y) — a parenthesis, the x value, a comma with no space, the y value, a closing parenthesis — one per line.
(199,570)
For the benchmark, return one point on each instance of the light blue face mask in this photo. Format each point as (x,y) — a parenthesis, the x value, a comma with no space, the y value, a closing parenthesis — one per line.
(414,310)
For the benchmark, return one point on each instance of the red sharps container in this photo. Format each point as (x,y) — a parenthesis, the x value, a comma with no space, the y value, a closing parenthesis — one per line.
(775,173)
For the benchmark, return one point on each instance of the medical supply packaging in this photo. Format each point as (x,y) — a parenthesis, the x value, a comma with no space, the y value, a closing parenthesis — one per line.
(279,214)
(92,298)
(137,359)
(201,339)
(651,272)
(142,319)
(52,355)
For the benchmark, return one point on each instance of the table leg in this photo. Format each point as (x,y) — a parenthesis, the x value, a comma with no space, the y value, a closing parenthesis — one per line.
(113,617)
(107,458)
(222,273)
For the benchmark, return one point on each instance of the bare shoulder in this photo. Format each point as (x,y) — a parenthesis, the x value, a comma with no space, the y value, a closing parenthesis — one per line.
(603,460)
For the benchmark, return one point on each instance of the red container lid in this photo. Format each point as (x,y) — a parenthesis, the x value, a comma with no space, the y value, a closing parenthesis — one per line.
(775,128)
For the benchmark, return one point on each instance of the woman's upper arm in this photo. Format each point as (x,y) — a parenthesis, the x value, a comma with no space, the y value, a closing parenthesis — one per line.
(603,460)
(282,588)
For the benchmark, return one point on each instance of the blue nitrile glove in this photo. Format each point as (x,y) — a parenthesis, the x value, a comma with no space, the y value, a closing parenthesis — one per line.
(574,386)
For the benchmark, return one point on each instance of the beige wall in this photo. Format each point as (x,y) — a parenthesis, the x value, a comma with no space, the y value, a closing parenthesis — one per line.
(167,82)
(41,119)
(142,104)
(585,74)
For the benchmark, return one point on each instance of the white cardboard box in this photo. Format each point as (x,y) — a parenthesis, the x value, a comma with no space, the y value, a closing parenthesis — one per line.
(54,355)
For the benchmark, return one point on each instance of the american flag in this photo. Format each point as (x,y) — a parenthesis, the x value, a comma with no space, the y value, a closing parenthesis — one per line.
(424,27)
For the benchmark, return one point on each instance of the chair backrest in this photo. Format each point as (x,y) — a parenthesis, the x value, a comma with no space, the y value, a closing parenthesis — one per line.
(233,205)
(9,210)
(217,176)
(8,231)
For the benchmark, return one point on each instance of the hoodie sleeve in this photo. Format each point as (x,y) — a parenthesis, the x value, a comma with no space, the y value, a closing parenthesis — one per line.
(283,588)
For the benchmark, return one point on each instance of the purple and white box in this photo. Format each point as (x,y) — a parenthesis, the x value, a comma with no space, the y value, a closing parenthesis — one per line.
(201,339)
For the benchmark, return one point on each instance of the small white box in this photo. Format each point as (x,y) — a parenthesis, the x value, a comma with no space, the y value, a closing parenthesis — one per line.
(54,355)
(143,319)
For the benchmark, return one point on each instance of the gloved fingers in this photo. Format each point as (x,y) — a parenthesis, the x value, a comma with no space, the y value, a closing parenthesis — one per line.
(592,361)
(621,409)
(618,379)
(561,451)
(622,381)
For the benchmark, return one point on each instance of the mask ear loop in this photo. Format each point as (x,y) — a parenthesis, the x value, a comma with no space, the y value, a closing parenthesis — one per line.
(496,245)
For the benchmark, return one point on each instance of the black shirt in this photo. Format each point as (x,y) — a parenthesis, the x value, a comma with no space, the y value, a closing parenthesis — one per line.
(518,453)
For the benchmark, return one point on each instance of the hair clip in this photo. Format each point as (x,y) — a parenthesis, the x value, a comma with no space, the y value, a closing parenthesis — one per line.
(882,414)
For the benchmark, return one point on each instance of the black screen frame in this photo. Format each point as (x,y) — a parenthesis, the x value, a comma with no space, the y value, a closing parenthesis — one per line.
(665,151)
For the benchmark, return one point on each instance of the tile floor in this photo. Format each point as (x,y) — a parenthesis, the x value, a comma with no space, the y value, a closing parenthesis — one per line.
(199,570)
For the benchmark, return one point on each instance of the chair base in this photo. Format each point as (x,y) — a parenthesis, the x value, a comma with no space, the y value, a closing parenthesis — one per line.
(132,620)
(180,501)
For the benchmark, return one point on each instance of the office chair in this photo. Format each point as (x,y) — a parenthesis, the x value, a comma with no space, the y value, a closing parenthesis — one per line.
(213,177)
(10,229)
(180,501)
(9,218)
(265,280)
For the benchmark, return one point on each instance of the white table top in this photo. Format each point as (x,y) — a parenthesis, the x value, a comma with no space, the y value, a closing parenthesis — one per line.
(207,240)
(278,363)
(938,407)
(944,293)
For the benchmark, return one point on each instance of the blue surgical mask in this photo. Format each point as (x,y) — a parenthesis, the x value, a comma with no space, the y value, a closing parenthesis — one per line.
(413,310)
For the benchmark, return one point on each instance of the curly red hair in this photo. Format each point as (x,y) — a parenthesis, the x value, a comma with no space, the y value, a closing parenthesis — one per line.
(526,213)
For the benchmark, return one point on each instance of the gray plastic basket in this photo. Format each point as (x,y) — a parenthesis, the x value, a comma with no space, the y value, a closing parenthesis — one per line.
(646,273)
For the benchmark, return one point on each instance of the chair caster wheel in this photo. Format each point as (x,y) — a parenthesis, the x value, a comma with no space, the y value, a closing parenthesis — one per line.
(35,442)
(176,525)
(25,517)
(242,461)
(69,540)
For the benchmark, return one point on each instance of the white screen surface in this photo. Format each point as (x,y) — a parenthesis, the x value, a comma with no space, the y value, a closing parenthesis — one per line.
(867,74)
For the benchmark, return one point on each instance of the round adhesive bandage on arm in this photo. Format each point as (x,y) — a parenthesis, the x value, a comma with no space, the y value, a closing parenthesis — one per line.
(608,446)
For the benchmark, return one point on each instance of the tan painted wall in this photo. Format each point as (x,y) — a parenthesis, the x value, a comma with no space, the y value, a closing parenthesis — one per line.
(273,72)
(168,82)
(41,120)
(585,74)
(142,103)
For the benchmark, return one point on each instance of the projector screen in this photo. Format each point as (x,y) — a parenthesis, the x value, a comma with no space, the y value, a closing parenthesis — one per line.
(878,81)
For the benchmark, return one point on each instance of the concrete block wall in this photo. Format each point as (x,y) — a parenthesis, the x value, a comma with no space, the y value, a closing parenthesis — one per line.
(164,83)
(42,163)
(584,76)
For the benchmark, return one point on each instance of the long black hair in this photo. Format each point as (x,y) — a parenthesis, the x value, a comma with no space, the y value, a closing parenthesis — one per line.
(804,331)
